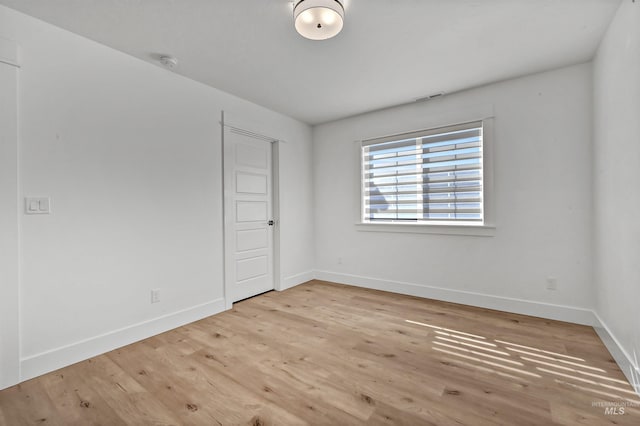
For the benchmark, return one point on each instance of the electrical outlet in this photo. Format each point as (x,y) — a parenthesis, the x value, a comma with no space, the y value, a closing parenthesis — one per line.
(339,261)
(155,295)
(552,283)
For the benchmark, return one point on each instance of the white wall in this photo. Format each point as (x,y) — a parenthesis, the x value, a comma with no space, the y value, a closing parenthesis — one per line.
(130,155)
(542,194)
(616,176)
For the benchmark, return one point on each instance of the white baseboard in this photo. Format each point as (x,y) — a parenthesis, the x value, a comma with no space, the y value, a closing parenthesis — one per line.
(54,359)
(619,354)
(296,279)
(506,304)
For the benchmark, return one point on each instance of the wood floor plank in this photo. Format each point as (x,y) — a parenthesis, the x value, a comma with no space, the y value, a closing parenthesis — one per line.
(196,402)
(278,390)
(327,354)
(77,401)
(28,403)
(126,397)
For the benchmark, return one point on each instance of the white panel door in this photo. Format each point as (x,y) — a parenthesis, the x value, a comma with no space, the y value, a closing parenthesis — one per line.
(248,216)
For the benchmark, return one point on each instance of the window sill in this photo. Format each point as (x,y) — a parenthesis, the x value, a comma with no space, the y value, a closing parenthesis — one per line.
(412,228)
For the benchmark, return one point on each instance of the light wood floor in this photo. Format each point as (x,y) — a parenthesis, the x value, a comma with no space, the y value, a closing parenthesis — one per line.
(327,354)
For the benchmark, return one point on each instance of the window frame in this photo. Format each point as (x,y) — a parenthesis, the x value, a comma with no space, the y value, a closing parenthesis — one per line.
(484,228)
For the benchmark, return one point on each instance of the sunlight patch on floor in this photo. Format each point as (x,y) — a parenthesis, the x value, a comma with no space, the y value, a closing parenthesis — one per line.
(495,351)
(540,350)
(445,329)
(494,364)
(466,338)
(482,353)
(557,360)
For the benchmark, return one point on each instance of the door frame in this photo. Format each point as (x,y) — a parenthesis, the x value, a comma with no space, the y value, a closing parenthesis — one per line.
(10,373)
(275,205)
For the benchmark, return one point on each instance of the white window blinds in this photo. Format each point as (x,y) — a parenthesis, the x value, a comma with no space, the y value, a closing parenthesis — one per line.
(433,175)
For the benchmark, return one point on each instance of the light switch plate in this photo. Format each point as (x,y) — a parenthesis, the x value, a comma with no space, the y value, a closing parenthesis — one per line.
(37,205)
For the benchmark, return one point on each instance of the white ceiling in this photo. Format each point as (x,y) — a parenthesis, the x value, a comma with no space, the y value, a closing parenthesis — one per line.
(389,53)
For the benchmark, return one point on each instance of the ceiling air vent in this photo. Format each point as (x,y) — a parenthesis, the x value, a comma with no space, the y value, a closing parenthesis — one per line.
(429,97)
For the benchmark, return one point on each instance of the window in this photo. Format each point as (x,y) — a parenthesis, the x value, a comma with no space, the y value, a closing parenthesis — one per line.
(428,177)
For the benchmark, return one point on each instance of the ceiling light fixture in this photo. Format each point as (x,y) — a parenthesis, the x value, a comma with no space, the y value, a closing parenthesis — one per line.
(318,19)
